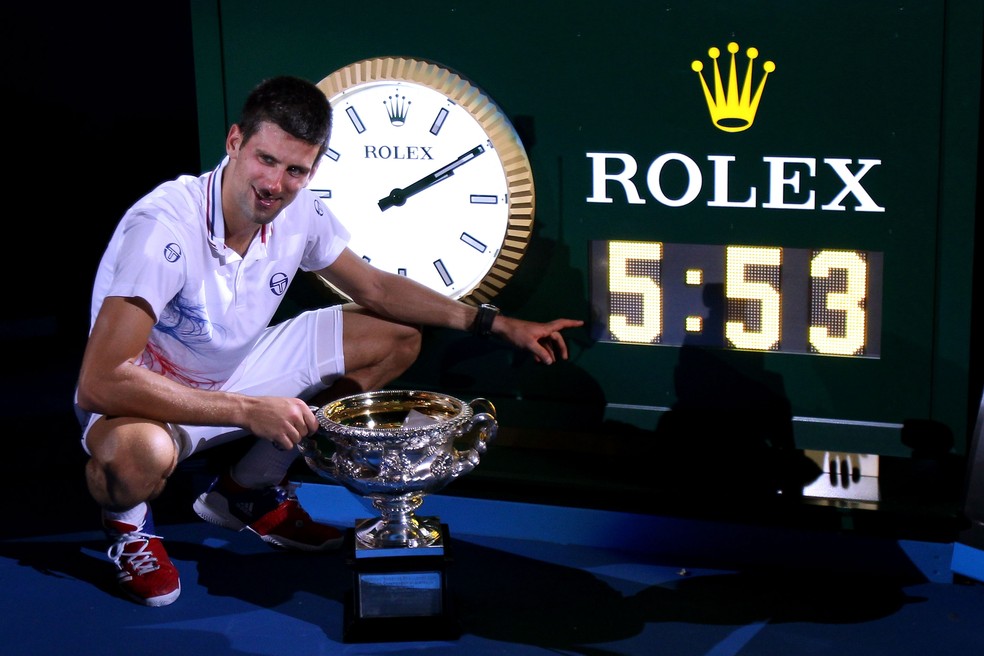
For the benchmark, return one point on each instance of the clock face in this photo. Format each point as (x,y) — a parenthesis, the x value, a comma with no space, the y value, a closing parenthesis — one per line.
(428,175)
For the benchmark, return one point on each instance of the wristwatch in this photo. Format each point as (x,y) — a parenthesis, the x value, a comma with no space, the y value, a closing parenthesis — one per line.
(483,320)
(428,175)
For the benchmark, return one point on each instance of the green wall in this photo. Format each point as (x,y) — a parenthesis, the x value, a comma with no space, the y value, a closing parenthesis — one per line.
(897,83)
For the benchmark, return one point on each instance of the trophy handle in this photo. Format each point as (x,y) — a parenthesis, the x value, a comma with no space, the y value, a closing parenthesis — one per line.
(482,427)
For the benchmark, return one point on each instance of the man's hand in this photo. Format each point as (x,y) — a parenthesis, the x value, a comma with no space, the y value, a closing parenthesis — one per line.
(284,421)
(543,340)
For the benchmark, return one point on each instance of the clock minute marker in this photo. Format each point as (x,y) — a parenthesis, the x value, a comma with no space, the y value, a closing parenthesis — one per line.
(399,196)
(442,270)
(439,121)
(356,121)
(473,242)
(483,199)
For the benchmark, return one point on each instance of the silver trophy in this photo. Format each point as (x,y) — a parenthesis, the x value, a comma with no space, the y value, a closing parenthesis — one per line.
(393,448)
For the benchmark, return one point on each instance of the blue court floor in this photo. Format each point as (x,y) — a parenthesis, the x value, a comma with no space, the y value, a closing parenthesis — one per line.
(524,578)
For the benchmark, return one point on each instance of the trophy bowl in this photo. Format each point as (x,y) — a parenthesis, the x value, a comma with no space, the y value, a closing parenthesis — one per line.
(393,447)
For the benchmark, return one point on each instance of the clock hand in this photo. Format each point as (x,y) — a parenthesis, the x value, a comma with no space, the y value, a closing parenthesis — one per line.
(400,196)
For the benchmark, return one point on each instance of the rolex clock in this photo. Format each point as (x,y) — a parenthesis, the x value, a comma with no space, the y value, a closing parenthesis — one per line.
(428,174)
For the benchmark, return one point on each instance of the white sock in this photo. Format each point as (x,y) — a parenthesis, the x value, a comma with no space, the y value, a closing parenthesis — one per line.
(263,465)
(135,516)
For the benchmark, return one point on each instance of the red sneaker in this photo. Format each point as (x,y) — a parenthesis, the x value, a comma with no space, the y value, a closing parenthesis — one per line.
(273,513)
(146,574)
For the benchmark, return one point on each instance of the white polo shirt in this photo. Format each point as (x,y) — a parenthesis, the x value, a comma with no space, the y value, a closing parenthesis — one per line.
(211,304)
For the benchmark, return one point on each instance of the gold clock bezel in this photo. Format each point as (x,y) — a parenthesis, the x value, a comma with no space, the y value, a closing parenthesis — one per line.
(500,131)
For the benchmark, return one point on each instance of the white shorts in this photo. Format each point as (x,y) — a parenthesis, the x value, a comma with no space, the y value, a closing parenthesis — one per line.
(287,360)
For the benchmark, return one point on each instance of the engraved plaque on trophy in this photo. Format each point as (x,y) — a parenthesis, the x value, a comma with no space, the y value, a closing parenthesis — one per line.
(392,448)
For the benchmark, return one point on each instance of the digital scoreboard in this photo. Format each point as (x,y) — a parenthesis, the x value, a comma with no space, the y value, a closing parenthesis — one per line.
(733,195)
(759,298)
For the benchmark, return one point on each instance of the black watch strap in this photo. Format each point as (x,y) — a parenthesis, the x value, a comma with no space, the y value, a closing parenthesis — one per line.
(483,320)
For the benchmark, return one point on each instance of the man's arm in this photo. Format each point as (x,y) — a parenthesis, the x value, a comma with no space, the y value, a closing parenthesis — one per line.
(111,384)
(402,299)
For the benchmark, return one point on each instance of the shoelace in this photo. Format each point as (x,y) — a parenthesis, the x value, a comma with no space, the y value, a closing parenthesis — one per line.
(142,560)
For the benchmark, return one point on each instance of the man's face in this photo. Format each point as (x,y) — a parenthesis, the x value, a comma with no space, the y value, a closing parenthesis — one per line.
(265,173)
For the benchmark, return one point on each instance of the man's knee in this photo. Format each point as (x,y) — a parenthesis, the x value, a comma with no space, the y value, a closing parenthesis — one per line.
(130,461)
(394,352)
(378,350)
(409,344)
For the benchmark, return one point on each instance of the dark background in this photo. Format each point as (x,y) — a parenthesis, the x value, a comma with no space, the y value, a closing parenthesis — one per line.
(100,109)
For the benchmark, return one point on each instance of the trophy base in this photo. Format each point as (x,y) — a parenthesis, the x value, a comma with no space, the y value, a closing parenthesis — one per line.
(420,537)
(399,595)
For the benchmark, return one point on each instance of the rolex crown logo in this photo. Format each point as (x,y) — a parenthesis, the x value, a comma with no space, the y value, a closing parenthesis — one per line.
(733,110)
(397,108)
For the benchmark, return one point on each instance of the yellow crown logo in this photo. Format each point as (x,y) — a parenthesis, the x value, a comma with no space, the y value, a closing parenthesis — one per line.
(731,110)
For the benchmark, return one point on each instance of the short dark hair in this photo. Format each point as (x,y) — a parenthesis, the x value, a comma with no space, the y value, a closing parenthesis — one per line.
(295,105)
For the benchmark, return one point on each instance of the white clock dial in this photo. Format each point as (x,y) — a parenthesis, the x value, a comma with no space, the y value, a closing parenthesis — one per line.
(428,175)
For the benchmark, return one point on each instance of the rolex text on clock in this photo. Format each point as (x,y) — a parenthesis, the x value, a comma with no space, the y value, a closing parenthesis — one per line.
(428,175)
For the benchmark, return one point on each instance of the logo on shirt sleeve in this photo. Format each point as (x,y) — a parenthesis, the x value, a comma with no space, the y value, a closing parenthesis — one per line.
(172,252)
(278,283)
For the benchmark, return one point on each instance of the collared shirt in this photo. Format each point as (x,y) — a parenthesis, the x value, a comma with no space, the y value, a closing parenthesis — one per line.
(211,304)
